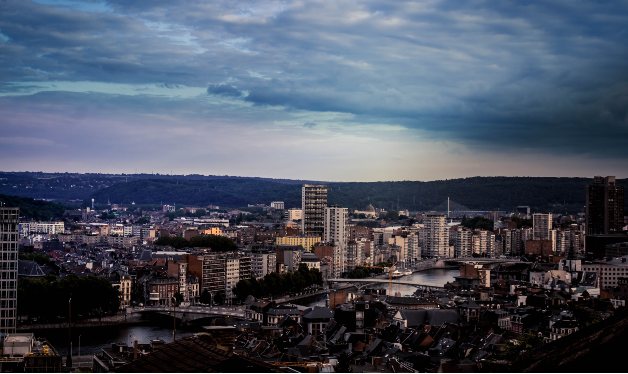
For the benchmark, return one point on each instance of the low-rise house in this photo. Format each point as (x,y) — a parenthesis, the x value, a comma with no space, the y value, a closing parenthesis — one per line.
(162,290)
(470,311)
(563,328)
(275,314)
(317,319)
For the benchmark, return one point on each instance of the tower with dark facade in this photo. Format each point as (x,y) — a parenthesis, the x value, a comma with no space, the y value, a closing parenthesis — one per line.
(605,207)
(314,202)
(9,238)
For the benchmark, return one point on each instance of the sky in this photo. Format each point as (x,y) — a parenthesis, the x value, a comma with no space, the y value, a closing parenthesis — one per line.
(319,90)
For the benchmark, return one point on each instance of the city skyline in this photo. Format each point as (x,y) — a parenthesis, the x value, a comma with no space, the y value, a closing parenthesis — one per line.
(342,91)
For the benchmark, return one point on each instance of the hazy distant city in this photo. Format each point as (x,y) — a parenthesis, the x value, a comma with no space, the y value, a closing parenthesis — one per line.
(316,187)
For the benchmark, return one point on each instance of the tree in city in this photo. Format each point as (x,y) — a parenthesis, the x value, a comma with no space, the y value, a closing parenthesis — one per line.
(243,289)
(344,364)
(524,343)
(40,258)
(178,297)
(477,222)
(200,212)
(278,284)
(583,316)
(393,215)
(519,221)
(48,297)
(206,297)
(143,220)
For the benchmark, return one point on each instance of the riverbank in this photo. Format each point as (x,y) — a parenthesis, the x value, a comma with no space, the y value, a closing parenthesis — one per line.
(117,320)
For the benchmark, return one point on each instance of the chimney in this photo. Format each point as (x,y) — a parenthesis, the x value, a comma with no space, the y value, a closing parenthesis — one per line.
(134,349)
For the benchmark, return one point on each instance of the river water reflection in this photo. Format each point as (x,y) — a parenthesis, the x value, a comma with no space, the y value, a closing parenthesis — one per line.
(93,339)
(431,277)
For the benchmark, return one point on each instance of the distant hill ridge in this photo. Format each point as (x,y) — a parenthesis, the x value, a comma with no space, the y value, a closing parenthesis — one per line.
(558,195)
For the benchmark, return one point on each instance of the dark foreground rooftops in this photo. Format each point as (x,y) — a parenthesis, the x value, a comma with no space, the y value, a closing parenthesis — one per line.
(195,354)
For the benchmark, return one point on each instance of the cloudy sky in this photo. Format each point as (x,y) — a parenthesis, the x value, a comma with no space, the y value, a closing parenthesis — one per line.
(328,90)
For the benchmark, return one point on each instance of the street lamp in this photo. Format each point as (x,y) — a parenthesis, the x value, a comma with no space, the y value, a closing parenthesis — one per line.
(68,360)
(79,348)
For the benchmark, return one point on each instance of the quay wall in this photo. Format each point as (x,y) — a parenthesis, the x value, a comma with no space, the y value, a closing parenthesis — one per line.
(120,319)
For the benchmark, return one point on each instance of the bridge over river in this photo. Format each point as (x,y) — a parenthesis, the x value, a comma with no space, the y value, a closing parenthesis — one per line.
(190,313)
(386,281)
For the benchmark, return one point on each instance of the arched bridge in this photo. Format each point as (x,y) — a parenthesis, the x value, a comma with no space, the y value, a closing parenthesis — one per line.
(191,313)
(386,281)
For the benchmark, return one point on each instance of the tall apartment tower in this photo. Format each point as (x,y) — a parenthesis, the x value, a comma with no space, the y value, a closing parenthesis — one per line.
(314,202)
(462,242)
(9,237)
(541,226)
(605,206)
(435,236)
(335,230)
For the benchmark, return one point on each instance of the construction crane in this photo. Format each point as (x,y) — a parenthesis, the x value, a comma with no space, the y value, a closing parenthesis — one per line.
(390,272)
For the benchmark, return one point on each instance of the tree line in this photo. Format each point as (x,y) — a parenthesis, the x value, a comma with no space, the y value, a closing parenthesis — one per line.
(36,209)
(278,284)
(48,297)
(365,272)
(216,242)
(477,223)
(40,258)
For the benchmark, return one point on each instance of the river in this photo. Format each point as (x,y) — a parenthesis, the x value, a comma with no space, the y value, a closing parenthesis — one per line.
(93,339)
(430,277)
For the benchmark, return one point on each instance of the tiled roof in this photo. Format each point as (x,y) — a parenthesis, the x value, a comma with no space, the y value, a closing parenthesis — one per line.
(29,269)
(194,354)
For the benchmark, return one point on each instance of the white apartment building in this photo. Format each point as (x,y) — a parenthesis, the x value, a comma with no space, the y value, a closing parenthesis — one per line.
(413,249)
(294,214)
(292,259)
(232,275)
(335,230)
(541,226)
(512,244)
(483,243)
(435,236)
(148,232)
(462,242)
(211,221)
(263,262)
(183,273)
(608,271)
(409,250)
(137,231)
(355,254)
(277,205)
(26,228)
(566,239)
(127,231)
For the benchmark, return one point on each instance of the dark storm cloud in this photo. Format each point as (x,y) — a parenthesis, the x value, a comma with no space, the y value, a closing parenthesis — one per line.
(549,77)
(224,90)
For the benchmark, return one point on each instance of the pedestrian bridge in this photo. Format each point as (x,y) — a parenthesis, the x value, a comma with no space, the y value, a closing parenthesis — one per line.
(189,313)
(386,281)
